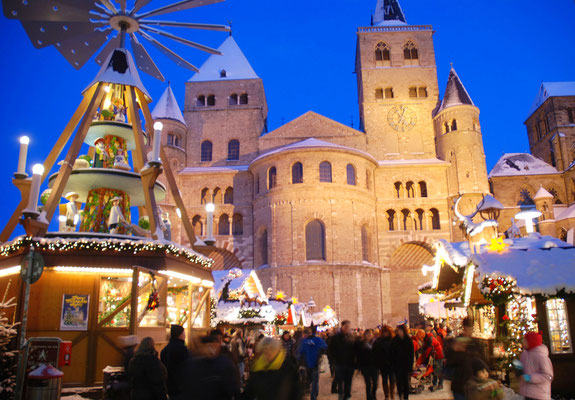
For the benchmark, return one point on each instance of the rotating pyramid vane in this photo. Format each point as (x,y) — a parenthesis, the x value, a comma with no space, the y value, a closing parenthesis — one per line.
(79,28)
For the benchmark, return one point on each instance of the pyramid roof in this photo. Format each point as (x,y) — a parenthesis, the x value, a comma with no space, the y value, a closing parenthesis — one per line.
(232,61)
(542,194)
(167,107)
(455,92)
(388,13)
(551,89)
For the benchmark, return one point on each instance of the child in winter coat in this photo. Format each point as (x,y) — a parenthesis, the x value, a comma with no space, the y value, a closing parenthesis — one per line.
(480,387)
(537,368)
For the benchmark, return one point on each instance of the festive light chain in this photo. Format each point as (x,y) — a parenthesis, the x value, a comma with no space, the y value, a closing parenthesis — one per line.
(87,244)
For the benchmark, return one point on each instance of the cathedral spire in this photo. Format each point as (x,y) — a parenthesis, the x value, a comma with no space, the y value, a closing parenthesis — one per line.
(455,92)
(388,12)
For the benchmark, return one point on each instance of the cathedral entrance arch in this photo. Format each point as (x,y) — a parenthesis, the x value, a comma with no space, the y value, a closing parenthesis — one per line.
(411,255)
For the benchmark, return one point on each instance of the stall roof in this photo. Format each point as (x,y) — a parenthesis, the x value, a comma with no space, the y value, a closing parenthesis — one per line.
(240,279)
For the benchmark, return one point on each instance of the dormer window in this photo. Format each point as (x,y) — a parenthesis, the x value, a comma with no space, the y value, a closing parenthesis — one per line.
(223,73)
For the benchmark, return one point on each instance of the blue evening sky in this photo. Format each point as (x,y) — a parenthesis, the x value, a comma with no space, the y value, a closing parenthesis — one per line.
(304,51)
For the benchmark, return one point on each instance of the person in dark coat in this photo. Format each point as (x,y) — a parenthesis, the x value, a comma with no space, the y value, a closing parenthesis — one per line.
(459,353)
(366,363)
(147,374)
(403,356)
(273,375)
(342,351)
(384,361)
(173,356)
(210,375)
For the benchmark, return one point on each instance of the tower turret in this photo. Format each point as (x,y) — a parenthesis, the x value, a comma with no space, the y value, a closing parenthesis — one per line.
(174,132)
(544,204)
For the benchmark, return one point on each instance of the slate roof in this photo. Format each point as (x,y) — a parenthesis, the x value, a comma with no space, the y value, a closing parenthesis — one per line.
(167,107)
(455,92)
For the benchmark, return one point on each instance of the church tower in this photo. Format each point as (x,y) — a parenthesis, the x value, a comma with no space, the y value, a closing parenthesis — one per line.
(225,110)
(397,85)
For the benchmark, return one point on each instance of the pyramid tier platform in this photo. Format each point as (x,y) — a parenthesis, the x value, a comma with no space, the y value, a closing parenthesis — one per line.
(99,129)
(85,179)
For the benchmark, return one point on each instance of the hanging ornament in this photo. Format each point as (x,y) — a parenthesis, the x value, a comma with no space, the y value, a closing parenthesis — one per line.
(154,297)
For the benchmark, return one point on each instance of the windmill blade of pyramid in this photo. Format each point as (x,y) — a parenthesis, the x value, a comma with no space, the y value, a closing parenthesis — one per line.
(109,5)
(81,48)
(114,43)
(122,6)
(169,53)
(181,40)
(138,5)
(180,6)
(190,25)
(101,8)
(48,10)
(47,33)
(143,59)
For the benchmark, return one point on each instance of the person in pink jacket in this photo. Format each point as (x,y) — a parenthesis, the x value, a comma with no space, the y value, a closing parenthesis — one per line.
(537,368)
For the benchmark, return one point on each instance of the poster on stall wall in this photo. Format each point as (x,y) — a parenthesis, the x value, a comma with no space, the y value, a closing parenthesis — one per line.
(75,312)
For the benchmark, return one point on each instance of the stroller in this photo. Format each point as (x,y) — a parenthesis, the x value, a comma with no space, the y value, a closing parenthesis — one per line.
(421,377)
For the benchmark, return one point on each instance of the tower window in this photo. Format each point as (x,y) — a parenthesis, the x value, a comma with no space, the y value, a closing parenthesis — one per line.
(223,73)
(413,91)
(224,225)
(398,189)
(315,240)
(419,220)
(406,219)
(422,91)
(297,173)
(365,244)
(409,187)
(238,224)
(201,101)
(525,198)
(233,150)
(244,99)
(388,93)
(233,100)
(272,178)
(204,196)
(229,196)
(217,196)
(257,183)
(206,151)
(379,93)
(391,219)
(211,100)
(446,127)
(382,55)
(410,53)
(454,125)
(367,179)
(173,140)
(350,170)
(325,172)
(435,224)
(423,189)
(197,225)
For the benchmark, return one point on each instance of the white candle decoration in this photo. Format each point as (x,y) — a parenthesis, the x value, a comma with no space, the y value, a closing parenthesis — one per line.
(158,126)
(37,172)
(24,140)
(210,207)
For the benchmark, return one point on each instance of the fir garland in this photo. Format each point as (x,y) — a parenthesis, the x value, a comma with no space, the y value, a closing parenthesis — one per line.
(499,290)
(249,313)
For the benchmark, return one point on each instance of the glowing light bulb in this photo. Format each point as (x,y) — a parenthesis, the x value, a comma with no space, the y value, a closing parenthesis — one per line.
(38,169)
(210,207)
(158,126)
(24,139)
(107,89)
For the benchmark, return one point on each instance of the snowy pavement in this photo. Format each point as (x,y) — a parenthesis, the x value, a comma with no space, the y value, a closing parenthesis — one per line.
(358,390)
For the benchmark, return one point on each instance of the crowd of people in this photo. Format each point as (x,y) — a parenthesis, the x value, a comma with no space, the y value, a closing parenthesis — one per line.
(231,367)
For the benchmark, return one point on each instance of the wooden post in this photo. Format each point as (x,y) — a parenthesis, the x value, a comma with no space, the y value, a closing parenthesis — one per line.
(173,186)
(134,301)
(66,168)
(23,186)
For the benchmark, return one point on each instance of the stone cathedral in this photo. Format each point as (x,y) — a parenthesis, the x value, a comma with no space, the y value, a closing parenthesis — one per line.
(346,216)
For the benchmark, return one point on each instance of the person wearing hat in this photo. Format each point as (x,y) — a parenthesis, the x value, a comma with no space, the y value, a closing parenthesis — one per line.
(72,216)
(101,155)
(116,215)
(480,387)
(173,357)
(537,368)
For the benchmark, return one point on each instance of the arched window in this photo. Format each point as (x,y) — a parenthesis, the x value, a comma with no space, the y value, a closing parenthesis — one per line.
(454,125)
(422,189)
(224,225)
(211,100)
(525,198)
(238,224)
(233,100)
(446,127)
(257,183)
(435,224)
(244,99)
(365,244)
(297,173)
(379,93)
(556,199)
(223,73)
(419,220)
(229,196)
(206,151)
(197,225)
(382,55)
(398,189)
(233,150)
(406,219)
(217,196)
(315,240)
(272,178)
(262,247)
(410,53)
(325,172)
(422,91)
(205,196)
(409,187)
(174,140)
(201,101)
(391,219)
(350,170)
(412,91)
(388,93)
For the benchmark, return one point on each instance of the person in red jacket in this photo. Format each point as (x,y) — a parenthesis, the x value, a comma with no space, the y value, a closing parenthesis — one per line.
(432,348)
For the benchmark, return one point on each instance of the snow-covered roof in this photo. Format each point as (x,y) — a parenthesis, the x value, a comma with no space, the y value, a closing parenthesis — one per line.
(535,270)
(542,194)
(238,280)
(489,202)
(311,143)
(411,161)
(388,13)
(232,61)
(551,89)
(567,213)
(167,107)
(513,164)
(455,92)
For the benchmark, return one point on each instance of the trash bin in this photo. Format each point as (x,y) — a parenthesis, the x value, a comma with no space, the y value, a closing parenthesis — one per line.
(44,383)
